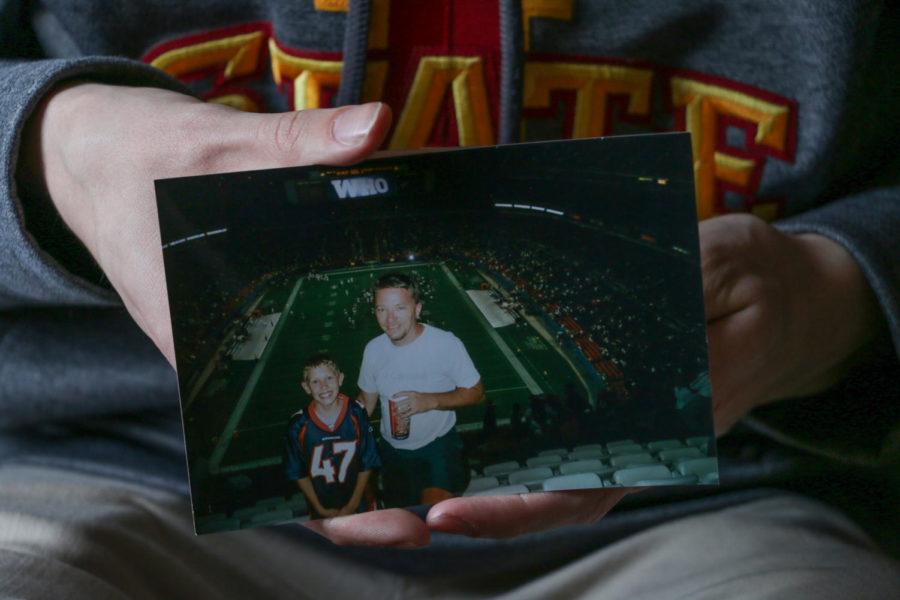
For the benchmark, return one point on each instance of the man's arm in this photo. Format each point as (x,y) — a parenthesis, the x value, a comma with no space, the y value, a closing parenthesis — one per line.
(368,400)
(424,401)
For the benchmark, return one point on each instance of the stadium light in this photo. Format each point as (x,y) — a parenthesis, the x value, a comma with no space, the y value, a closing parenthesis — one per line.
(194,237)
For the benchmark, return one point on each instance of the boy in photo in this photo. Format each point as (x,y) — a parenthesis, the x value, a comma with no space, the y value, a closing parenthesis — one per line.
(330,448)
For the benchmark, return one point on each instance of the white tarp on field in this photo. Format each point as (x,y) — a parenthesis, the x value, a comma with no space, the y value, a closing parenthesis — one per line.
(258,333)
(496,315)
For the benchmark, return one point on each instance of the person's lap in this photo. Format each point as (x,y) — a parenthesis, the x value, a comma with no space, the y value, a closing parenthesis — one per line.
(93,536)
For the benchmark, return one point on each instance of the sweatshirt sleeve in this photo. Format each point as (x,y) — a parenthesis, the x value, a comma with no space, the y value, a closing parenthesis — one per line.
(30,275)
(857,422)
(868,226)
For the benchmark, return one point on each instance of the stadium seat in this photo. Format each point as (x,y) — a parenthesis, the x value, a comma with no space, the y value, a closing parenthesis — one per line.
(700,467)
(554,451)
(626,449)
(698,441)
(481,483)
(533,475)
(501,468)
(589,447)
(297,503)
(643,473)
(679,480)
(619,443)
(626,460)
(239,482)
(587,454)
(217,525)
(544,461)
(590,465)
(710,478)
(504,490)
(286,505)
(664,445)
(577,481)
(677,454)
(271,517)
(213,517)
(269,503)
(243,513)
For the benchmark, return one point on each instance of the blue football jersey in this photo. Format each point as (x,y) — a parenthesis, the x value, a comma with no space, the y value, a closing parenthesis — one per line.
(331,457)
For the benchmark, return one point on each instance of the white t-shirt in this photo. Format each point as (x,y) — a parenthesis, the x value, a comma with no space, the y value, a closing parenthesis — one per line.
(436,361)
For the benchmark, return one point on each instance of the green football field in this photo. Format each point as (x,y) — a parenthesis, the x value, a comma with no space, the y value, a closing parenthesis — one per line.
(318,315)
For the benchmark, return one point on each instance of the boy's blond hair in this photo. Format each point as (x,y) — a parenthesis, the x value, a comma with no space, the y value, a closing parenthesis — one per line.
(319,360)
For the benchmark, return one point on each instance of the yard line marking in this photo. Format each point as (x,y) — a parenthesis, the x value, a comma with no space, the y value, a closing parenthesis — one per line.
(238,412)
(527,379)
(506,389)
(211,365)
(392,267)
(252,464)
(548,338)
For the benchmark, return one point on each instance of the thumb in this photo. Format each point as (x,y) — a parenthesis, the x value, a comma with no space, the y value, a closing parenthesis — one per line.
(335,136)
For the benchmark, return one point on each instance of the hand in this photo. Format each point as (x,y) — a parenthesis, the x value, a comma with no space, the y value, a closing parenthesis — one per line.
(349,509)
(785,314)
(483,516)
(414,403)
(102,146)
(328,512)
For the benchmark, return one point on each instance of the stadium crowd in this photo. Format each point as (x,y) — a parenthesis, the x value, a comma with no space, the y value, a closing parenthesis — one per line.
(600,288)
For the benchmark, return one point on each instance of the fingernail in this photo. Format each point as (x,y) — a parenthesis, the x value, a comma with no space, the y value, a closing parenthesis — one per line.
(352,125)
(450,524)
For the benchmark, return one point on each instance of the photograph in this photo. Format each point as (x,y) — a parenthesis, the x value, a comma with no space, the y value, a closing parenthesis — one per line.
(496,320)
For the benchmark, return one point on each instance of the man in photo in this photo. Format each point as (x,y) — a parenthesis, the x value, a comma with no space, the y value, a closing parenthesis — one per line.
(421,374)
(330,448)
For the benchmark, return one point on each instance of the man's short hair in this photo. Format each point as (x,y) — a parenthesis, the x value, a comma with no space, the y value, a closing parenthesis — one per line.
(397,280)
(319,360)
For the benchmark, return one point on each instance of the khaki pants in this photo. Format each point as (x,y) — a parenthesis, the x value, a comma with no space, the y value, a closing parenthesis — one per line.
(74,536)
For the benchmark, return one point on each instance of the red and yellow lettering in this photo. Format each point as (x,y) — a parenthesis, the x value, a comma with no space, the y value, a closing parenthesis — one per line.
(310,76)
(464,76)
(224,55)
(704,109)
(551,9)
(709,108)
(593,84)
(378,18)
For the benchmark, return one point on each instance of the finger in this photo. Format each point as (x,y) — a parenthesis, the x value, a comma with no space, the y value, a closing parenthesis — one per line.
(509,516)
(323,136)
(392,527)
(737,367)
